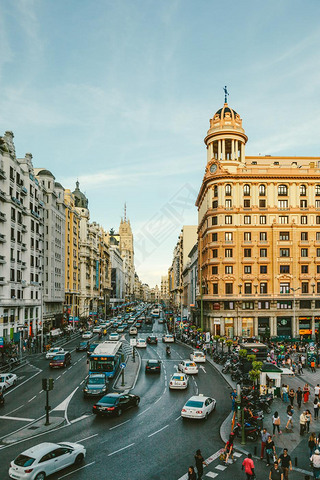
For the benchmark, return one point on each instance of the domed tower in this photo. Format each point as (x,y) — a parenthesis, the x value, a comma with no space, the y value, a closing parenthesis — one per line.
(226,138)
(81,200)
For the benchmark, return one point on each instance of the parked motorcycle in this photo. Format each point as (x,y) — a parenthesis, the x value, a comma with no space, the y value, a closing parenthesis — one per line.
(251,431)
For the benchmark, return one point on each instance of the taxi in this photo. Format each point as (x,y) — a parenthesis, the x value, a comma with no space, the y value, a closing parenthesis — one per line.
(178,381)
(186,366)
(198,356)
(198,407)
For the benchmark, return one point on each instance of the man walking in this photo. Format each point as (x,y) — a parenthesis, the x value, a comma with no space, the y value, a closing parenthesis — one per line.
(299,397)
(248,467)
(264,437)
(303,421)
(276,472)
(317,390)
(285,462)
(200,461)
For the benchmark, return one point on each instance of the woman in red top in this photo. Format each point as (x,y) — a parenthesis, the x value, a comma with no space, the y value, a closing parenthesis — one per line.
(306,393)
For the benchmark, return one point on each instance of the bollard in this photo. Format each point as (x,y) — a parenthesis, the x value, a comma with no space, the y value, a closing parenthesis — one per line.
(295,461)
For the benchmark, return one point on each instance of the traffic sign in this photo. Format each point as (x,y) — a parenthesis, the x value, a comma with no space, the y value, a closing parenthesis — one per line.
(123,365)
(133,342)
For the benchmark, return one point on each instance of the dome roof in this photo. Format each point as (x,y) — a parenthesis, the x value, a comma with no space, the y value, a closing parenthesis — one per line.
(80,198)
(222,112)
(45,172)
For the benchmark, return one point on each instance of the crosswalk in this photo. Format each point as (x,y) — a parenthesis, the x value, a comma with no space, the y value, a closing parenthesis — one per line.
(215,468)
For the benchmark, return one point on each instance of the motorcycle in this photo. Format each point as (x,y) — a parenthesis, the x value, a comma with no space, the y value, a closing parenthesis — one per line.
(168,351)
(251,431)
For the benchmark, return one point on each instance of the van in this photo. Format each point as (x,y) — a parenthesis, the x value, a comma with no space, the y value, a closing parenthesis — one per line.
(61,360)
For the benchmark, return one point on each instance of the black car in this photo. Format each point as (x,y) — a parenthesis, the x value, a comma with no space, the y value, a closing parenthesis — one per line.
(82,347)
(96,385)
(153,366)
(152,339)
(91,348)
(115,404)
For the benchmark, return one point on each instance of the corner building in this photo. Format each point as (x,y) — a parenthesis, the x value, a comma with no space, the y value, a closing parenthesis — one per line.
(258,238)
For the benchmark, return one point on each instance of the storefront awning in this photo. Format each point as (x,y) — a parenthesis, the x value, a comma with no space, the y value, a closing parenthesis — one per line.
(273,375)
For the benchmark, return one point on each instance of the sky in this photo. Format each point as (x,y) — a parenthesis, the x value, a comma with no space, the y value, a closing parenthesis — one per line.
(118,94)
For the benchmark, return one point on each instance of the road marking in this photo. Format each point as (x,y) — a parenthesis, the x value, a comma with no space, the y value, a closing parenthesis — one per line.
(40,392)
(87,438)
(84,466)
(21,419)
(82,382)
(202,368)
(18,408)
(70,367)
(211,475)
(144,411)
(120,450)
(221,467)
(20,384)
(32,399)
(58,377)
(178,418)
(154,433)
(119,425)
(237,454)
(158,400)
(64,373)
(80,418)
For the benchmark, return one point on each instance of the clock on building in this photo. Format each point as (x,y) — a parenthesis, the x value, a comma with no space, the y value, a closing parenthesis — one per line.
(213,168)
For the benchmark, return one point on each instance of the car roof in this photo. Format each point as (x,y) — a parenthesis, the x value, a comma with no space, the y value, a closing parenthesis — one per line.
(198,398)
(40,449)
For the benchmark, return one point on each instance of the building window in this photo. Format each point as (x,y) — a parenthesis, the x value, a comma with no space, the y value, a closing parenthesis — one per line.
(248,288)
(263,252)
(303,203)
(246,203)
(284,236)
(215,190)
(228,269)
(318,287)
(304,268)
(215,270)
(304,219)
(247,269)
(247,236)
(304,252)
(247,252)
(264,305)
(318,236)
(284,269)
(228,253)
(283,204)
(263,269)
(263,219)
(284,305)
(283,190)
(318,252)
(285,287)
(263,236)
(246,190)
(262,203)
(229,288)
(215,204)
(215,289)
(263,287)
(247,305)
(229,305)
(303,190)
(318,268)
(283,219)
(214,237)
(305,287)
(228,236)
(318,190)
(284,252)
(262,190)
(228,203)
(214,220)
(318,219)
(317,204)
(247,220)
(215,253)
(304,236)
(228,190)
(228,219)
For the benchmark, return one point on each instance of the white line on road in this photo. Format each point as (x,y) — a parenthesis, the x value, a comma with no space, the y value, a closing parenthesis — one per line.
(119,425)
(82,382)
(79,418)
(144,411)
(13,389)
(32,399)
(58,377)
(178,418)
(40,392)
(120,450)
(18,408)
(158,400)
(151,434)
(84,466)
(17,418)
(64,373)
(87,438)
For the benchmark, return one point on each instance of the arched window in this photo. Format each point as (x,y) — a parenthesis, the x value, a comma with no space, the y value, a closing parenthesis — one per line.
(246,189)
(262,190)
(303,190)
(283,190)
(228,190)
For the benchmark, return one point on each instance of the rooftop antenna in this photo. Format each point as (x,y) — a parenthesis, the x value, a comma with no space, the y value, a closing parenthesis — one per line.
(226,93)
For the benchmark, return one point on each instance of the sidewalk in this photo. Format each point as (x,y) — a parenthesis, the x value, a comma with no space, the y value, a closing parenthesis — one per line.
(131,370)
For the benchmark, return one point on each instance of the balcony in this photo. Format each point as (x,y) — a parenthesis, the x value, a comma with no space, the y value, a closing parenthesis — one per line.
(16,201)
(3,196)
(24,228)
(2,238)
(2,259)
(2,281)
(24,191)
(23,265)
(2,174)
(3,217)
(24,247)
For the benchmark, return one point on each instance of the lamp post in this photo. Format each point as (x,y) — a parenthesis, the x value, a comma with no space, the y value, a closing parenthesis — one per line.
(294,305)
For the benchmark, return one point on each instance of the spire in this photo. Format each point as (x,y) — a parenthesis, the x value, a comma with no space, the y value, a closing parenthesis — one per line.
(125,212)
(226,93)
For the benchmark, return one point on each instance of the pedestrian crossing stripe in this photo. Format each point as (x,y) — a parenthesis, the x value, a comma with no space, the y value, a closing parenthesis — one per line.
(237,454)
(211,475)
(221,467)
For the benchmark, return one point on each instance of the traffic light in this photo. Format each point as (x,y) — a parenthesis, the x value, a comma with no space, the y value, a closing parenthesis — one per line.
(51,383)
(47,384)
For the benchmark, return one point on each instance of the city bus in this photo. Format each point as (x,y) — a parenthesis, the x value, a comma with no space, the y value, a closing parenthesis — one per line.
(106,358)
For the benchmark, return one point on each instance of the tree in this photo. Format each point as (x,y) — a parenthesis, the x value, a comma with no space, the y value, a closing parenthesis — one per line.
(222,341)
(254,376)
(216,338)
(243,353)
(251,358)
(229,344)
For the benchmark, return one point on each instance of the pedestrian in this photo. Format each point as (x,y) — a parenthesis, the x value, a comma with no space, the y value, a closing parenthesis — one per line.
(276,472)
(276,423)
(200,461)
(315,461)
(285,393)
(233,396)
(313,365)
(316,407)
(300,368)
(289,417)
(317,390)
(306,393)
(302,421)
(191,473)
(309,420)
(312,443)
(229,447)
(248,467)
(299,397)
(264,438)
(270,450)
(291,396)
(285,463)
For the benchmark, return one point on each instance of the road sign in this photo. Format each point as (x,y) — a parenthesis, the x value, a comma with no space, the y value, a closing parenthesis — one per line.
(123,365)
(133,342)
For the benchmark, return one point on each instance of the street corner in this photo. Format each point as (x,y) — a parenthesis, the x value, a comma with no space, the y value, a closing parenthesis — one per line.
(36,428)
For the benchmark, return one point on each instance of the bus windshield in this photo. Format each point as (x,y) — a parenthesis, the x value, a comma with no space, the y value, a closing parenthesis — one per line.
(102,365)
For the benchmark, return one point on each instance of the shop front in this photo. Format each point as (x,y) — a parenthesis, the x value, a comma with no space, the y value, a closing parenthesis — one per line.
(263,328)
(216,326)
(305,327)
(247,327)
(229,327)
(284,327)
(270,379)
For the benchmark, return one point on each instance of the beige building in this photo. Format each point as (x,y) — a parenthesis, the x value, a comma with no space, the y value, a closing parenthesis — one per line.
(164,289)
(258,237)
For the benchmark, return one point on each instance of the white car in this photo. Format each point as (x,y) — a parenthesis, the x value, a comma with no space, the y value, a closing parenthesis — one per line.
(133,331)
(198,406)
(168,338)
(87,334)
(186,366)
(54,351)
(44,459)
(198,356)
(7,380)
(97,329)
(114,336)
(131,320)
(178,381)
(141,343)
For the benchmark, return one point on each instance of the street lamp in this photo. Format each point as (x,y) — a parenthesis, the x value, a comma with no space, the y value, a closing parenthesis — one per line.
(294,305)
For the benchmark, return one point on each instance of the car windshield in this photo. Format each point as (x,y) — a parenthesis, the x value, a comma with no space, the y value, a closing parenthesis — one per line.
(83,344)
(96,380)
(194,404)
(190,364)
(24,461)
(178,377)
(58,357)
(153,362)
(109,400)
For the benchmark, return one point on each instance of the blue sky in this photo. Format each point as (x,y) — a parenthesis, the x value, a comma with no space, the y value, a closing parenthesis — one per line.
(119,94)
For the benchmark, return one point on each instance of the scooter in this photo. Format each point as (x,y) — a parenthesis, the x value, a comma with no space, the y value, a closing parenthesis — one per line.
(168,351)
(251,431)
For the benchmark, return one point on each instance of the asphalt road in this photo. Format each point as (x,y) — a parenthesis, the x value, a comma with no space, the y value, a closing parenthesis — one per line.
(148,442)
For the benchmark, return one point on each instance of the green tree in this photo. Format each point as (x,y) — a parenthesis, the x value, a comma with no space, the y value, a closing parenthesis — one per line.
(222,340)
(251,358)
(216,338)
(229,344)
(254,376)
